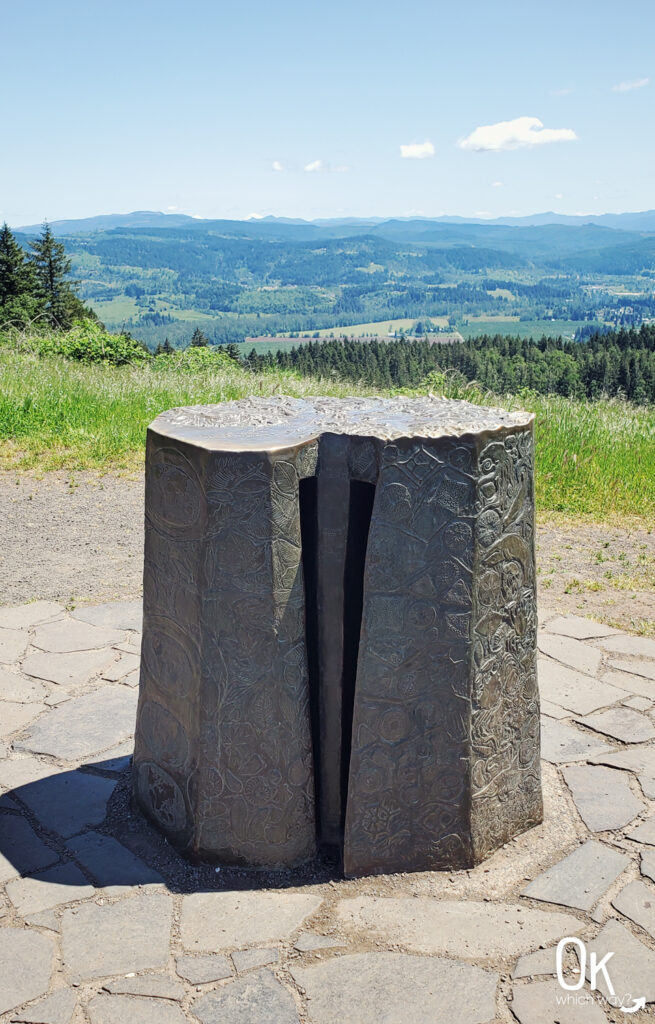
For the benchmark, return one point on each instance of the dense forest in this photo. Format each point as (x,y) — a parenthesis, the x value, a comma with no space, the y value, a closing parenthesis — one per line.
(238,279)
(608,364)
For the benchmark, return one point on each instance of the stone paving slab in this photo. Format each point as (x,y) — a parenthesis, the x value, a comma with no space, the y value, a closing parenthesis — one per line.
(637,901)
(396,988)
(632,966)
(67,635)
(217,921)
(55,1009)
(544,1002)
(463,928)
(106,1009)
(257,997)
(562,743)
(84,725)
(70,670)
(26,963)
(581,878)
(624,724)
(141,936)
(602,796)
(115,615)
(133,935)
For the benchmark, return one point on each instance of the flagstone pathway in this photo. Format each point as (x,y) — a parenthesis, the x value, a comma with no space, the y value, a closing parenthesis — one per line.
(102,922)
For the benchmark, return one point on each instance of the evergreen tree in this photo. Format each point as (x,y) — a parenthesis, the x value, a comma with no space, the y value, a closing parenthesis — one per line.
(167,348)
(199,339)
(15,274)
(52,287)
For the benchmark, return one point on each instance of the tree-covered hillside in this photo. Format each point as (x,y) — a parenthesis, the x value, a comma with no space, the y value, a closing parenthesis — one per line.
(160,278)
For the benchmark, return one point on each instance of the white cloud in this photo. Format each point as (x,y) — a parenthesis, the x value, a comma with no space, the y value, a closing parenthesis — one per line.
(521,133)
(277,166)
(496,184)
(562,92)
(314,166)
(629,86)
(559,195)
(417,150)
(172,207)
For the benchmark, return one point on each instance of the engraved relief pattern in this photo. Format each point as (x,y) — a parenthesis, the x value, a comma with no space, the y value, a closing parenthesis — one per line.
(505,779)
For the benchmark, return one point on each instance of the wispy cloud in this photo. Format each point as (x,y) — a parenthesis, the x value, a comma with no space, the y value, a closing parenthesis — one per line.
(521,133)
(417,150)
(314,167)
(639,83)
(496,184)
(320,166)
(566,91)
(277,166)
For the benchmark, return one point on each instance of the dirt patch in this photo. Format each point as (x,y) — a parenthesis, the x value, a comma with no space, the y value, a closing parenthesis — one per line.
(80,538)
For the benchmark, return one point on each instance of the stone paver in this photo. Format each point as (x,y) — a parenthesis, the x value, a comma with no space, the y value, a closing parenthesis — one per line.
(26,962)
(247,959)
(602,796)
(132,935)
(581,878)
(68,635)
(542,961)
(55,1009)
(637,901)
(636,668)
(644,832)
(225,920)
(561,743)
(631,968)
(395,988)
(426,947)
(70,670)
(637,759)
(25,615)
(574,653)
(110,863)
(637,646)
(12,645)
(53,887)
(20,689)
(544,1002)
(123,666)
(573,690)
(201,969)
(578,628)
(115,615)
(647,864)
(16,717)
(159,986)
(459,928)
(257,997)
(84,725)
(21,850)
(624,724)
(67,802)
(106,1009)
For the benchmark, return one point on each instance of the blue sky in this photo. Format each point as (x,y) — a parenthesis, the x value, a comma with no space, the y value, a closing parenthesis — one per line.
(226,109)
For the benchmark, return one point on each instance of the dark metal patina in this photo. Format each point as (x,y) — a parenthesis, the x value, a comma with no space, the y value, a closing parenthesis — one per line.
(339,632)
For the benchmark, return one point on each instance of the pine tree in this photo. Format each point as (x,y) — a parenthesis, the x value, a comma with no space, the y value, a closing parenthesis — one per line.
(17,301)
(53,289)
(167,348)
(199,339)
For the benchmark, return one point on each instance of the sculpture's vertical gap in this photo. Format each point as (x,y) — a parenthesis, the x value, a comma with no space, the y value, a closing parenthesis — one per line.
(360,510)
(307,499)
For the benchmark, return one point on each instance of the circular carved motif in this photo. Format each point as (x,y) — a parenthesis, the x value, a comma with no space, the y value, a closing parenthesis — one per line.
(163,735)
(162,796)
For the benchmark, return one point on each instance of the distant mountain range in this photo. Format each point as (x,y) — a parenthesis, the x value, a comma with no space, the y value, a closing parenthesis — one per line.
(634,222)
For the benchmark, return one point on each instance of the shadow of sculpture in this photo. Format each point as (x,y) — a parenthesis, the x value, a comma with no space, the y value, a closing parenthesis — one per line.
(78,828)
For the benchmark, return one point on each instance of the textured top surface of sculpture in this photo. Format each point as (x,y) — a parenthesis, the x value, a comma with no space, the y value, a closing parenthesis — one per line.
(256,424)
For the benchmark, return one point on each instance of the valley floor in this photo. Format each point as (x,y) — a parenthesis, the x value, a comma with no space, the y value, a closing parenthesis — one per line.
(79,537)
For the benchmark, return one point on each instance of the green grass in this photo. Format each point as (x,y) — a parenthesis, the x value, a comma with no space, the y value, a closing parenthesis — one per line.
(594,459)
